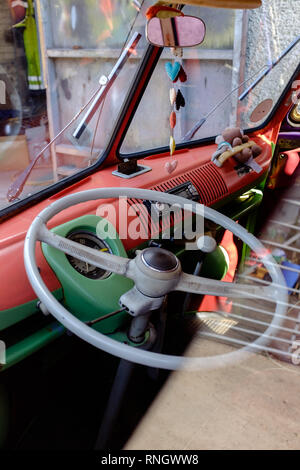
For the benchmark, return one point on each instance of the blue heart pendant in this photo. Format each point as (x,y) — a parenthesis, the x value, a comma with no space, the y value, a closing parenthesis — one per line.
(172,70)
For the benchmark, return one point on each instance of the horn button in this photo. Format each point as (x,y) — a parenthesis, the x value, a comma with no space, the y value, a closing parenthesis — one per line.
(157,271)
(159,259)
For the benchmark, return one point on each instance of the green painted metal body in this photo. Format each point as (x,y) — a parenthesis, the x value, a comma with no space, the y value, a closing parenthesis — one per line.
(215,265)
(11,316)
(32,343)
(252,217)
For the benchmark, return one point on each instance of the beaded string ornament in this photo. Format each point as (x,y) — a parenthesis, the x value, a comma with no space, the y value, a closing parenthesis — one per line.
(176,74)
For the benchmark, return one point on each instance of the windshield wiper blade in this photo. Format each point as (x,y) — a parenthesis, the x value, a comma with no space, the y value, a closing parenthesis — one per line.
(269,68)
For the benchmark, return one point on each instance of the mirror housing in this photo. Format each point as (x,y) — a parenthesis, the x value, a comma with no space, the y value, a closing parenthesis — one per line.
(177,31)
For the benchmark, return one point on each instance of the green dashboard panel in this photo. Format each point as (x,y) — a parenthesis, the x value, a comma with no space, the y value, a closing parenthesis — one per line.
(85,297)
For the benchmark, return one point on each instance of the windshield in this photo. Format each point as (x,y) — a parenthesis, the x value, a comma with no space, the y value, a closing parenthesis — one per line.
(79,43)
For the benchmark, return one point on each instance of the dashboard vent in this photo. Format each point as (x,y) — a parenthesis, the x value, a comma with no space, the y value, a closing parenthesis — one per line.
(207,179)
(209,183)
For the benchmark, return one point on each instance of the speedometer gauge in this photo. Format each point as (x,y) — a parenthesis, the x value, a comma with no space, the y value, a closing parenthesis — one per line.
(90,240)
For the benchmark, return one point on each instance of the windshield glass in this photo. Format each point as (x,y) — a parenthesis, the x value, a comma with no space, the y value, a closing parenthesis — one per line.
(239,46)
(78,44)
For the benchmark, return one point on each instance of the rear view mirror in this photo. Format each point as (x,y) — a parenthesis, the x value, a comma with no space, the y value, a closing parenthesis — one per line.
(178,31)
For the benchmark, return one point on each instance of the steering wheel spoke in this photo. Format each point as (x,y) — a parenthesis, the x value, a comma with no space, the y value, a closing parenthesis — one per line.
(201,285)
(106,261)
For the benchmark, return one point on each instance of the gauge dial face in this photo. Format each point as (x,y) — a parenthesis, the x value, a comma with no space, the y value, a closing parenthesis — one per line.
(90,240)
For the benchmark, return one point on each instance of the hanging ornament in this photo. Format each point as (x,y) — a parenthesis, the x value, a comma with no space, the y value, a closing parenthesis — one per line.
(172,145)
(172,119)
(182,75)
(171,166)
(172,96)
(177,51)
(180,101)
(173,70)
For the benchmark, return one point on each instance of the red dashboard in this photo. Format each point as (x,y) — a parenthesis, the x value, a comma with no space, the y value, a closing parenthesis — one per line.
(213,184)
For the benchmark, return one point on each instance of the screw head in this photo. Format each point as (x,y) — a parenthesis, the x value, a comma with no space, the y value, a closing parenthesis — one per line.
(103,80)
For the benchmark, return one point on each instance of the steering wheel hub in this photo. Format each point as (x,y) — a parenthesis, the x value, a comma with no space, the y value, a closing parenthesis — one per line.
(160,260)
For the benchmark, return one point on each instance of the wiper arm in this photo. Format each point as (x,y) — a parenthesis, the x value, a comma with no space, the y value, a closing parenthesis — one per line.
(190,134)
(268,70)
(17,186)
(106,86)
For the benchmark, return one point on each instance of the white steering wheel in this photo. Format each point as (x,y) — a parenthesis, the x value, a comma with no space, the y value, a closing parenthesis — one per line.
(151,282)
